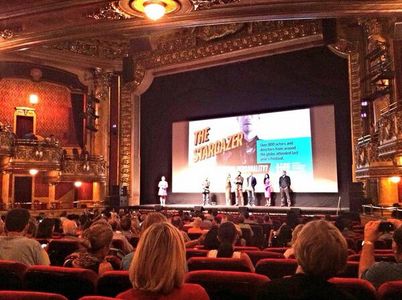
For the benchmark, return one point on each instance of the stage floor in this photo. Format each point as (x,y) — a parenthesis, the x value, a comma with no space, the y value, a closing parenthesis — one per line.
(254,209)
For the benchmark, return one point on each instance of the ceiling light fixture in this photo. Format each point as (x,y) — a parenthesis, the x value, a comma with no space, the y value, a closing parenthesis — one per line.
(152,9)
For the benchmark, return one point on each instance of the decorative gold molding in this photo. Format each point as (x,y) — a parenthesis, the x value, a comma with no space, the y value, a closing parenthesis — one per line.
(106,49)
(9,32)
(208,4)
(109,12)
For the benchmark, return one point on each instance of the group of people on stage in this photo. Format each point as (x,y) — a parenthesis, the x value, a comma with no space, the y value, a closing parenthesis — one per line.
(238,182)
(251,182)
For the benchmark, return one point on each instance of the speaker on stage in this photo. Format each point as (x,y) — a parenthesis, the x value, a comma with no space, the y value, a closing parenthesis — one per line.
(198,208)
(296,211)
(243,210)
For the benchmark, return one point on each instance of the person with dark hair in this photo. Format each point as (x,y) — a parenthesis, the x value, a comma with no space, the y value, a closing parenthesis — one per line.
(227,236)
(239,189)
(380,272)
(45,229)
(211,240)
(267,190)
(284,188)
(15,246)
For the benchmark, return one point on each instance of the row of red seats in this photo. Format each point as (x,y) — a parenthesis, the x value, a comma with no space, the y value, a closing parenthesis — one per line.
(221,285)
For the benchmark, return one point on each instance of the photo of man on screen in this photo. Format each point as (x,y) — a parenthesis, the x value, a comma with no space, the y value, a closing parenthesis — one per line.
(246,154)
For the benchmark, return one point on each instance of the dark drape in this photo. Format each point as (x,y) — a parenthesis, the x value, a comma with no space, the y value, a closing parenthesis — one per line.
(77,104)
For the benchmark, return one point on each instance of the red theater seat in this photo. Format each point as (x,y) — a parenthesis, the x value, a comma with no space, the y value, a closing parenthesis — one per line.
(58,250)
(11,275)
(25,295)
(245,248)
(192,252)
(96,298)
(277,249)
(228,285)
(113,282)
(223,264)
(70,282)
(391,290)
(256,256)
(359,288)
(276,268)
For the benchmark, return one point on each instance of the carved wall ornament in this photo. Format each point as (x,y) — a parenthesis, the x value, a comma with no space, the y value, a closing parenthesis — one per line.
(102,83)
(110,11)
(207,4)
(107,49)
(9,32)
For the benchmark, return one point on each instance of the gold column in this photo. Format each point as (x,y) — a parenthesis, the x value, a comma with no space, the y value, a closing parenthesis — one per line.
(5,189)
(99,191)
(52,194)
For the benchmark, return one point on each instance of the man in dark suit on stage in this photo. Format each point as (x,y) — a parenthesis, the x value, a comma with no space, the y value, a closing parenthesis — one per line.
(284,187)
(251,183)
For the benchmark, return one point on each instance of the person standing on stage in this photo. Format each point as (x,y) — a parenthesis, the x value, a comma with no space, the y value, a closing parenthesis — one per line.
(205,191)
(284,187)
(239,189)
(251,183)
(267,190)
(162,193)
(228,190)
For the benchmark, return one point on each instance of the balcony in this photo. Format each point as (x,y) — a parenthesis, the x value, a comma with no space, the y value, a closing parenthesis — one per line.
(90,168)
(33,154)
(7,140)
(390,131)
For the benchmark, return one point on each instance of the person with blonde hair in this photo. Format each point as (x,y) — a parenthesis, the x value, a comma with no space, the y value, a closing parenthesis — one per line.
(159,267)
(321,253)
(295,234)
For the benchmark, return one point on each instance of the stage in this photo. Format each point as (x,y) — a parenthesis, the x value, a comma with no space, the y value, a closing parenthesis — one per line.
(232,209)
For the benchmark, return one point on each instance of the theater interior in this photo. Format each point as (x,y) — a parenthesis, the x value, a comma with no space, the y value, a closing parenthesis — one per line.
(90,89)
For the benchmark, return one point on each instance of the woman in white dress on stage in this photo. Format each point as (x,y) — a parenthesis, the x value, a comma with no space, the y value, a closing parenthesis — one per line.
(162,193)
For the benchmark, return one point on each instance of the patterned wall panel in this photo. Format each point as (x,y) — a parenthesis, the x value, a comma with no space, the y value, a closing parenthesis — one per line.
(41,187)
(54,110)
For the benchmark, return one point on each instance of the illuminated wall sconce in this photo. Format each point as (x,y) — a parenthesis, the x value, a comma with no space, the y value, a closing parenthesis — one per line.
(33,99)
(152,9)
(78,184)
(33,172)
(395,179)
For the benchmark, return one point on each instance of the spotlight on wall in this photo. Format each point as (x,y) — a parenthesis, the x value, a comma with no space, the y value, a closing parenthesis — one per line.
(33,172)
(77,184)
(395,179)
(33,99)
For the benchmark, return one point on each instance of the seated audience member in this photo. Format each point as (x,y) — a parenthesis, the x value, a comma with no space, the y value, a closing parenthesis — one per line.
(69,228)
(321,253)
(45,229)
(227,236)
(97,240)
(32,228)
(195,226)
(15,246)
(156,273)
(178,223)
(150,219)
(380,272)
(211,240)
(289,253)
(118,235)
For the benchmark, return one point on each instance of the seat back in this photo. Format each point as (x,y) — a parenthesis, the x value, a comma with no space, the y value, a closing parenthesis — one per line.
(391,290)
(245,248)
(73,283)
(212,263)
(25,295)
(256,256)
(59,249)
(277,249)
(97,298)
(112,283)
(12,275)
(192,252)
(377,257)
(358,288)
(351,270)
(276,268)
(228,285)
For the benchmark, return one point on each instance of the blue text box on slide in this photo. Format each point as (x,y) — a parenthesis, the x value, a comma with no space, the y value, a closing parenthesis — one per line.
(292,154)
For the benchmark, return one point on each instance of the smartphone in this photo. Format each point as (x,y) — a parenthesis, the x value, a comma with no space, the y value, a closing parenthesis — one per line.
(385,227)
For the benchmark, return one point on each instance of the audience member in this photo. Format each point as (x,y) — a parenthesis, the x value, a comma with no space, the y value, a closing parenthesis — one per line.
(159,274)
(227,236)
(321,253)
(15,246)
(289,253)
(45,229)
(380,272)
(150,219)
(96,240)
